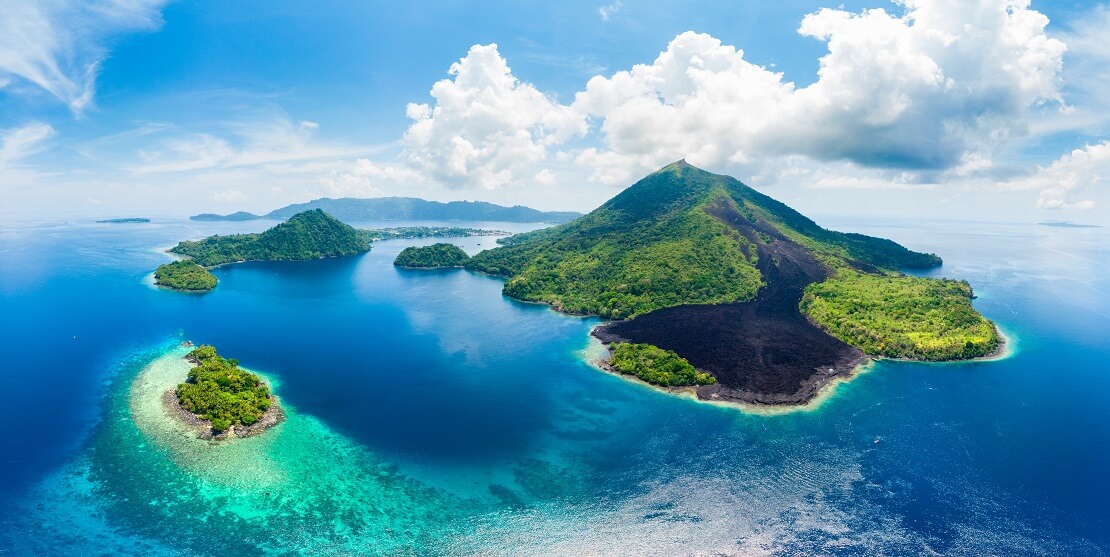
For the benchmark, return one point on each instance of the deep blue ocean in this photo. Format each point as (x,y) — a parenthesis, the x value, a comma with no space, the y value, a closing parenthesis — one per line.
(429,415)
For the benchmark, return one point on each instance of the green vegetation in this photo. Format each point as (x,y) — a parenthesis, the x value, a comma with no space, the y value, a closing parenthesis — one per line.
(685,236)
(901,317)
(184,275)
(656,366)
(237,216)
(218,391)
(406,232)
(308,235)
(435,256)
(679,236)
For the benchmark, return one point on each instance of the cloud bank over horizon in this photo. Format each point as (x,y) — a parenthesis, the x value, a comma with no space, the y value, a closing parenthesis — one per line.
(925,97)
(936,96)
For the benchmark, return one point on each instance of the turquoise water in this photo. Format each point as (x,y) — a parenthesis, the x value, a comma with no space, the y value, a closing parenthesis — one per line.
(428,415)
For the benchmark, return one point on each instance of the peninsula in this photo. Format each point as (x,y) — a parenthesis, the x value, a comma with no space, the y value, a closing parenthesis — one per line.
(740,286)
(349,209)
(222,400)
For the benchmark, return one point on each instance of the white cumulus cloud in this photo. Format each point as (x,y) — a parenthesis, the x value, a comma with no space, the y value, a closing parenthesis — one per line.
(486,127)
(923,94)
(920,90)
(1074,174)
(364,178)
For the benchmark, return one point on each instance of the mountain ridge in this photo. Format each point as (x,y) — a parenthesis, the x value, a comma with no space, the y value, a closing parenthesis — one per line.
(352,209)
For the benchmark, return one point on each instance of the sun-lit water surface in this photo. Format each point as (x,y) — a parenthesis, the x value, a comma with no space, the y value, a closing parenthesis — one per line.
(429,415)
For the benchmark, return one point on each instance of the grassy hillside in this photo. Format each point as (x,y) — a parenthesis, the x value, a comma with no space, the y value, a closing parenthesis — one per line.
(901,317)
(435,256)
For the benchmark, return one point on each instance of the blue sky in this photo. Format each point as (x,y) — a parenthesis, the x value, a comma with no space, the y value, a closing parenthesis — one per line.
(942,108)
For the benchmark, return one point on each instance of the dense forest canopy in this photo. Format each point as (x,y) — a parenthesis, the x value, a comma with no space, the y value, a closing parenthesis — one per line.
(184,275)
(656,366)
(219,391)
(900,316)
(435,256)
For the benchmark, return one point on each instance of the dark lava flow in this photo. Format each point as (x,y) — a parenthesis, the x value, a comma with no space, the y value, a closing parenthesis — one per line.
(763,351)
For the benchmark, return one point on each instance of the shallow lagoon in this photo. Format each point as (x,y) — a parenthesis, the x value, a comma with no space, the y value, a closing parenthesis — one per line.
(429,415)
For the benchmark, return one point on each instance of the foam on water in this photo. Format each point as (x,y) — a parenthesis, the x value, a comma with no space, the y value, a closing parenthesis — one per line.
(429,416)
(298,487)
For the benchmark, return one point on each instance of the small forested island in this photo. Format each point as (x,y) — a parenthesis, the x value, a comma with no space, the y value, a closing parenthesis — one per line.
(222,400)
(128,220)
(739,286)
(435,256)
(184,275)
(656,366)
(308,235)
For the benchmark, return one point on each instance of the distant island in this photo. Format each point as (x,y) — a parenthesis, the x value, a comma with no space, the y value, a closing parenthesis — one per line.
(222,400)
(349,209)
(739,286)
(184,275)
(238,216)
(1065,224)
(312,234)
(435,256)
(128,220)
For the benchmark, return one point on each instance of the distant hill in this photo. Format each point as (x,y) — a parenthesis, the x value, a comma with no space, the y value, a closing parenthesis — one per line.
(241,215)
(307,235)
(349,209)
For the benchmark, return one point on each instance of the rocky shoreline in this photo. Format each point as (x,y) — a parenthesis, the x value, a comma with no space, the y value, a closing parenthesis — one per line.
(272,417)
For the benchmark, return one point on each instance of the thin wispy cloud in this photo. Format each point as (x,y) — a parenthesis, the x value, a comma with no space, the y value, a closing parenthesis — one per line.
(240,144)
(59,46)
(608,10)
(22,142)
